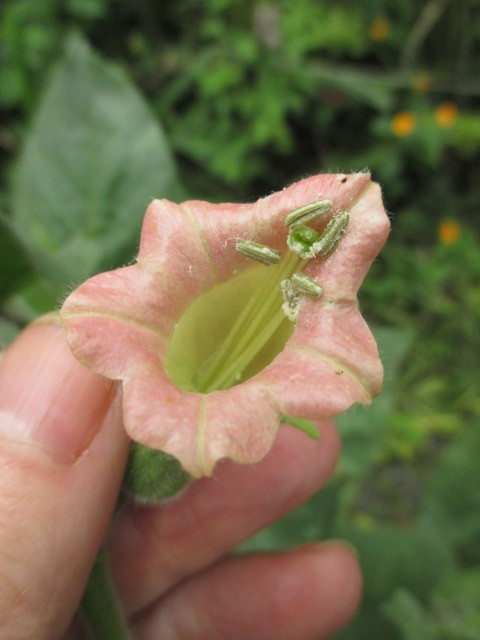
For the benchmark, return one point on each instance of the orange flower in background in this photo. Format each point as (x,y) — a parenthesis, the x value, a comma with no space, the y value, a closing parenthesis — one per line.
(379,29)
(403,123)
(448,231)
(446,114)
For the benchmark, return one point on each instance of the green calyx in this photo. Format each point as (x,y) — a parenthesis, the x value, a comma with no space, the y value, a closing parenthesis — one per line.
(153,475)
(307,426)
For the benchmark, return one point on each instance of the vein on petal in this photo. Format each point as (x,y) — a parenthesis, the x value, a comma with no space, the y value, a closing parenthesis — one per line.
(198,233)
(118,318)
(336,363)
(202,428)
(369,186)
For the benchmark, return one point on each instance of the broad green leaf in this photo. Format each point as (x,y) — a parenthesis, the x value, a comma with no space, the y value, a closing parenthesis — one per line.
(15,267)
(31,300)
(93,161)
(8,332)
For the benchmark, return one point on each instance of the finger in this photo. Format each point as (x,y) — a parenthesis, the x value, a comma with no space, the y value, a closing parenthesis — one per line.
(305,594)
(55,498)
(152,548)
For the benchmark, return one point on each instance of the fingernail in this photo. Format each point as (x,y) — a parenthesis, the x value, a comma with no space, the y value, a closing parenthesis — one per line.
(47,398)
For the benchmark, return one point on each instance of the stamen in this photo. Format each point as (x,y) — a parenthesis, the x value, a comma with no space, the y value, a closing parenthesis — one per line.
(262,316)
(291,304)
(306,286)
(308,212)
(256,251)
(331,236)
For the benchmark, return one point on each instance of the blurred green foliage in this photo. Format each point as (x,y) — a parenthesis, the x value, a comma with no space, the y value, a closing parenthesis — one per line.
(104,104)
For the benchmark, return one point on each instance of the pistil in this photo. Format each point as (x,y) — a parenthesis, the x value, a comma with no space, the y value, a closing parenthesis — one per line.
(259,320)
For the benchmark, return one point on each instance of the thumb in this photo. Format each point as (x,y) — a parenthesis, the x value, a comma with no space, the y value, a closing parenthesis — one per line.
(62,455)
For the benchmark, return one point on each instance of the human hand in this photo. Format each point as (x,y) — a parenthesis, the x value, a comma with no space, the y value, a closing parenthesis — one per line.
(62,457)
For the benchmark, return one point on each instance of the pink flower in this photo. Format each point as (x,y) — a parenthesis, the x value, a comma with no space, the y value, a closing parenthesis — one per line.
(159,325)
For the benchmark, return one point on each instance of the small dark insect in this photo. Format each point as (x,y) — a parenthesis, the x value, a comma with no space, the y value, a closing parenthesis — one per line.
(343,180)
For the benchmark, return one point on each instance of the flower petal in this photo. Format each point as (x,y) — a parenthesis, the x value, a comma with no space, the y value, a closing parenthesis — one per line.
(222,225)
(329,363)
(332,350)
(342,273)
(199,429)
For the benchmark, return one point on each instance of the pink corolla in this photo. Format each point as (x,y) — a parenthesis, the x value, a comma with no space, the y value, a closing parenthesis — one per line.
(195,331)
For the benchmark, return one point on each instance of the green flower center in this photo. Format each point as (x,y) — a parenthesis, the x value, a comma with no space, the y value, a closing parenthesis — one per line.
(233,331)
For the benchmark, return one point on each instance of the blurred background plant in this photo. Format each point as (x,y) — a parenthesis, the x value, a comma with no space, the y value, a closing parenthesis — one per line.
(105,104)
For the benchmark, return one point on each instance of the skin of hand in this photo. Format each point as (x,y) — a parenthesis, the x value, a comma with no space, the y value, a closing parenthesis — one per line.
(62,456)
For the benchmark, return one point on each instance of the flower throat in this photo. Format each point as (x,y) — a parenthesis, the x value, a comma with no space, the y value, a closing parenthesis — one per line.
(225,338)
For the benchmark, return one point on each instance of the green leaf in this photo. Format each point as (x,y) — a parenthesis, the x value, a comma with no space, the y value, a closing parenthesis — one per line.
(87,9)
(15,267)
(8,332)
(92,163)
(29,301)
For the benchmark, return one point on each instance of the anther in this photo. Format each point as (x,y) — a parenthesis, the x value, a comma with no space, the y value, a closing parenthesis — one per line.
(308,213)
(331,236)
(256,251)
(291,304)
(306,286)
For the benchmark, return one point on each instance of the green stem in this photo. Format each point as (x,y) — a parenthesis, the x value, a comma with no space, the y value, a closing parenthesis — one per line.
(100,606)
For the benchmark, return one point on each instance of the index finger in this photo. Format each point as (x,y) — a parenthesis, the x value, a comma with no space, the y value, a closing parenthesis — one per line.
(154,547)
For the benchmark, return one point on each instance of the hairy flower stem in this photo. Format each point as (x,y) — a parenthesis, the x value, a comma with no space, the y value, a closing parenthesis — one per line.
(100,605)
(259,320)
